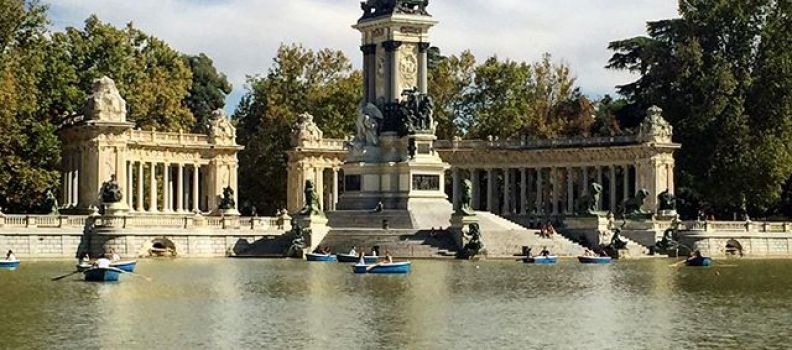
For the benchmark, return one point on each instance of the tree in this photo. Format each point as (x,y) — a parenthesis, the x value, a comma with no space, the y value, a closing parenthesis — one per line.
(448,79)
(208,92)
(28,146)
(151,76)
(721,72)
(322,83)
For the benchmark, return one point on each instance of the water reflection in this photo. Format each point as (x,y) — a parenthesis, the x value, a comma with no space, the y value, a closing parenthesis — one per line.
(288,304)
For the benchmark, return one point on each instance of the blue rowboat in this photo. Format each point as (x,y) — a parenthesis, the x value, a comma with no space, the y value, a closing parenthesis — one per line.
(127,266)
(396,267)
(320,257)
(102,274)
(702,261)
(9,264)
(354,259)
(547,259)
(595,259)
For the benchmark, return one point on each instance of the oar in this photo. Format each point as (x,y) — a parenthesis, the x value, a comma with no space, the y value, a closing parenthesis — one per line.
(677,263)
(58,278)
(370,267)
(148,279)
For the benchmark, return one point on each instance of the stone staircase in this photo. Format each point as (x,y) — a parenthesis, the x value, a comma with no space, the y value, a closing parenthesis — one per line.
(399,242)
(510,241)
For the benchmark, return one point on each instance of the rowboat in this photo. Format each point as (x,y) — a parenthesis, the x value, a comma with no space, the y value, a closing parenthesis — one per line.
(700,261)
(396,267)
(595,259)
(542,259)
(127,266)
(9,264)
(102,274)
(320,257)
(353,258)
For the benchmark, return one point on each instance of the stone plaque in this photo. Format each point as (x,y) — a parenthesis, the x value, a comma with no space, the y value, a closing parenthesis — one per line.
(426,182)
(352,183)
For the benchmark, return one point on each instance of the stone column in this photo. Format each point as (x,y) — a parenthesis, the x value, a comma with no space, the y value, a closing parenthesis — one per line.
(335,188)
(599,181)
(129,185)
(523,191)
(196,189)
(153,189)
(76,178)
(554,184)
(140,207)
(570,191)
(506,208)
(66,173)
(392,48)
(491,191)
(455,188)
(423,67)
(612,188)
(180,189)
(626,182)
(474,177)
(319,183)
(369,72)
(166,188)
(539,191)
(584,183)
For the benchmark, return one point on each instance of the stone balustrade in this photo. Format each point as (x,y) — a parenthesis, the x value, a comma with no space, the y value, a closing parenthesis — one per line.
(167,138)
(738,226)
(148,221)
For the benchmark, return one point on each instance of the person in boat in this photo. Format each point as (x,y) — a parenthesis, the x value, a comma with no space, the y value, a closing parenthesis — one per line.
(373,252)
(102,262)
(353,251)
(326,250)
(388,258)
(696,255)
(544,252)
(362,257)
(114,256)
(587,252)
(603,253)
(85,259)
(10,256)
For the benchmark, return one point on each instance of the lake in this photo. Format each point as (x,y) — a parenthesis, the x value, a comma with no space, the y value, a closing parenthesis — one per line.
(293,304)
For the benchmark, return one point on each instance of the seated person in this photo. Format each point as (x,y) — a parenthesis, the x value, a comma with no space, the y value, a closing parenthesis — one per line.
(362,260)
(115,256)
(588,252)
(326,250)
(85,259)
(10,256)
(544,252)
(353,251)
(388,257)
(373,252)
(696,255)
(102,262)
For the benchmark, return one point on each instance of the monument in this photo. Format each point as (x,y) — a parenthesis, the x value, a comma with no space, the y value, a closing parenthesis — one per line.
(392,158)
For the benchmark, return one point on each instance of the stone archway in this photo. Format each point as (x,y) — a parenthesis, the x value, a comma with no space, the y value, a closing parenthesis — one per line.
(159,246)
(733,248)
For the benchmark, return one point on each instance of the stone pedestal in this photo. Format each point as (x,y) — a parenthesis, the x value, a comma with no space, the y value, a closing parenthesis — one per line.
(318,229)
(459,227)
(403,173)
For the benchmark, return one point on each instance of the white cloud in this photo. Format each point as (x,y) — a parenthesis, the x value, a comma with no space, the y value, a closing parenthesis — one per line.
(243,35)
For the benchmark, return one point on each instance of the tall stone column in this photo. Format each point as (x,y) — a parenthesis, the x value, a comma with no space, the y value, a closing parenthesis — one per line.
(76,178)
(66,191)
(570,191)
(140,176)
(369,72)
(180,189)
(523,191)
(491,190)
(506,209)
(319,176)
(166,188)
(626,182)
(129,185)
(196,189)
(335,188)
(554,184)
(539,192)
(476,180)
(612,188)
(455,187)
(392,48)
(423,67)
(584,177)
(153,189)
(599,181)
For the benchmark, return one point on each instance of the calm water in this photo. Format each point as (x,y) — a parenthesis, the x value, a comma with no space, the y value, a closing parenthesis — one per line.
(289,304)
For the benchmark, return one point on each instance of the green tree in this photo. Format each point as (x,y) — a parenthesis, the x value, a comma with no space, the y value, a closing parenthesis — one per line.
(208,92)
(28,146)
(448,79)
(151,76)
(721,72)
(322,83)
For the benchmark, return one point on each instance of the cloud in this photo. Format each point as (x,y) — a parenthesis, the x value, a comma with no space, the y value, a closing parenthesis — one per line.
(242,36)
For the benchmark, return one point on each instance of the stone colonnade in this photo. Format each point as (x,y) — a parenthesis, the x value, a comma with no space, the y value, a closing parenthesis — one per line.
(326,174)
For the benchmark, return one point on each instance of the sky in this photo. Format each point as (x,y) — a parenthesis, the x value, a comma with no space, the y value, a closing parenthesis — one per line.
(242,36)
